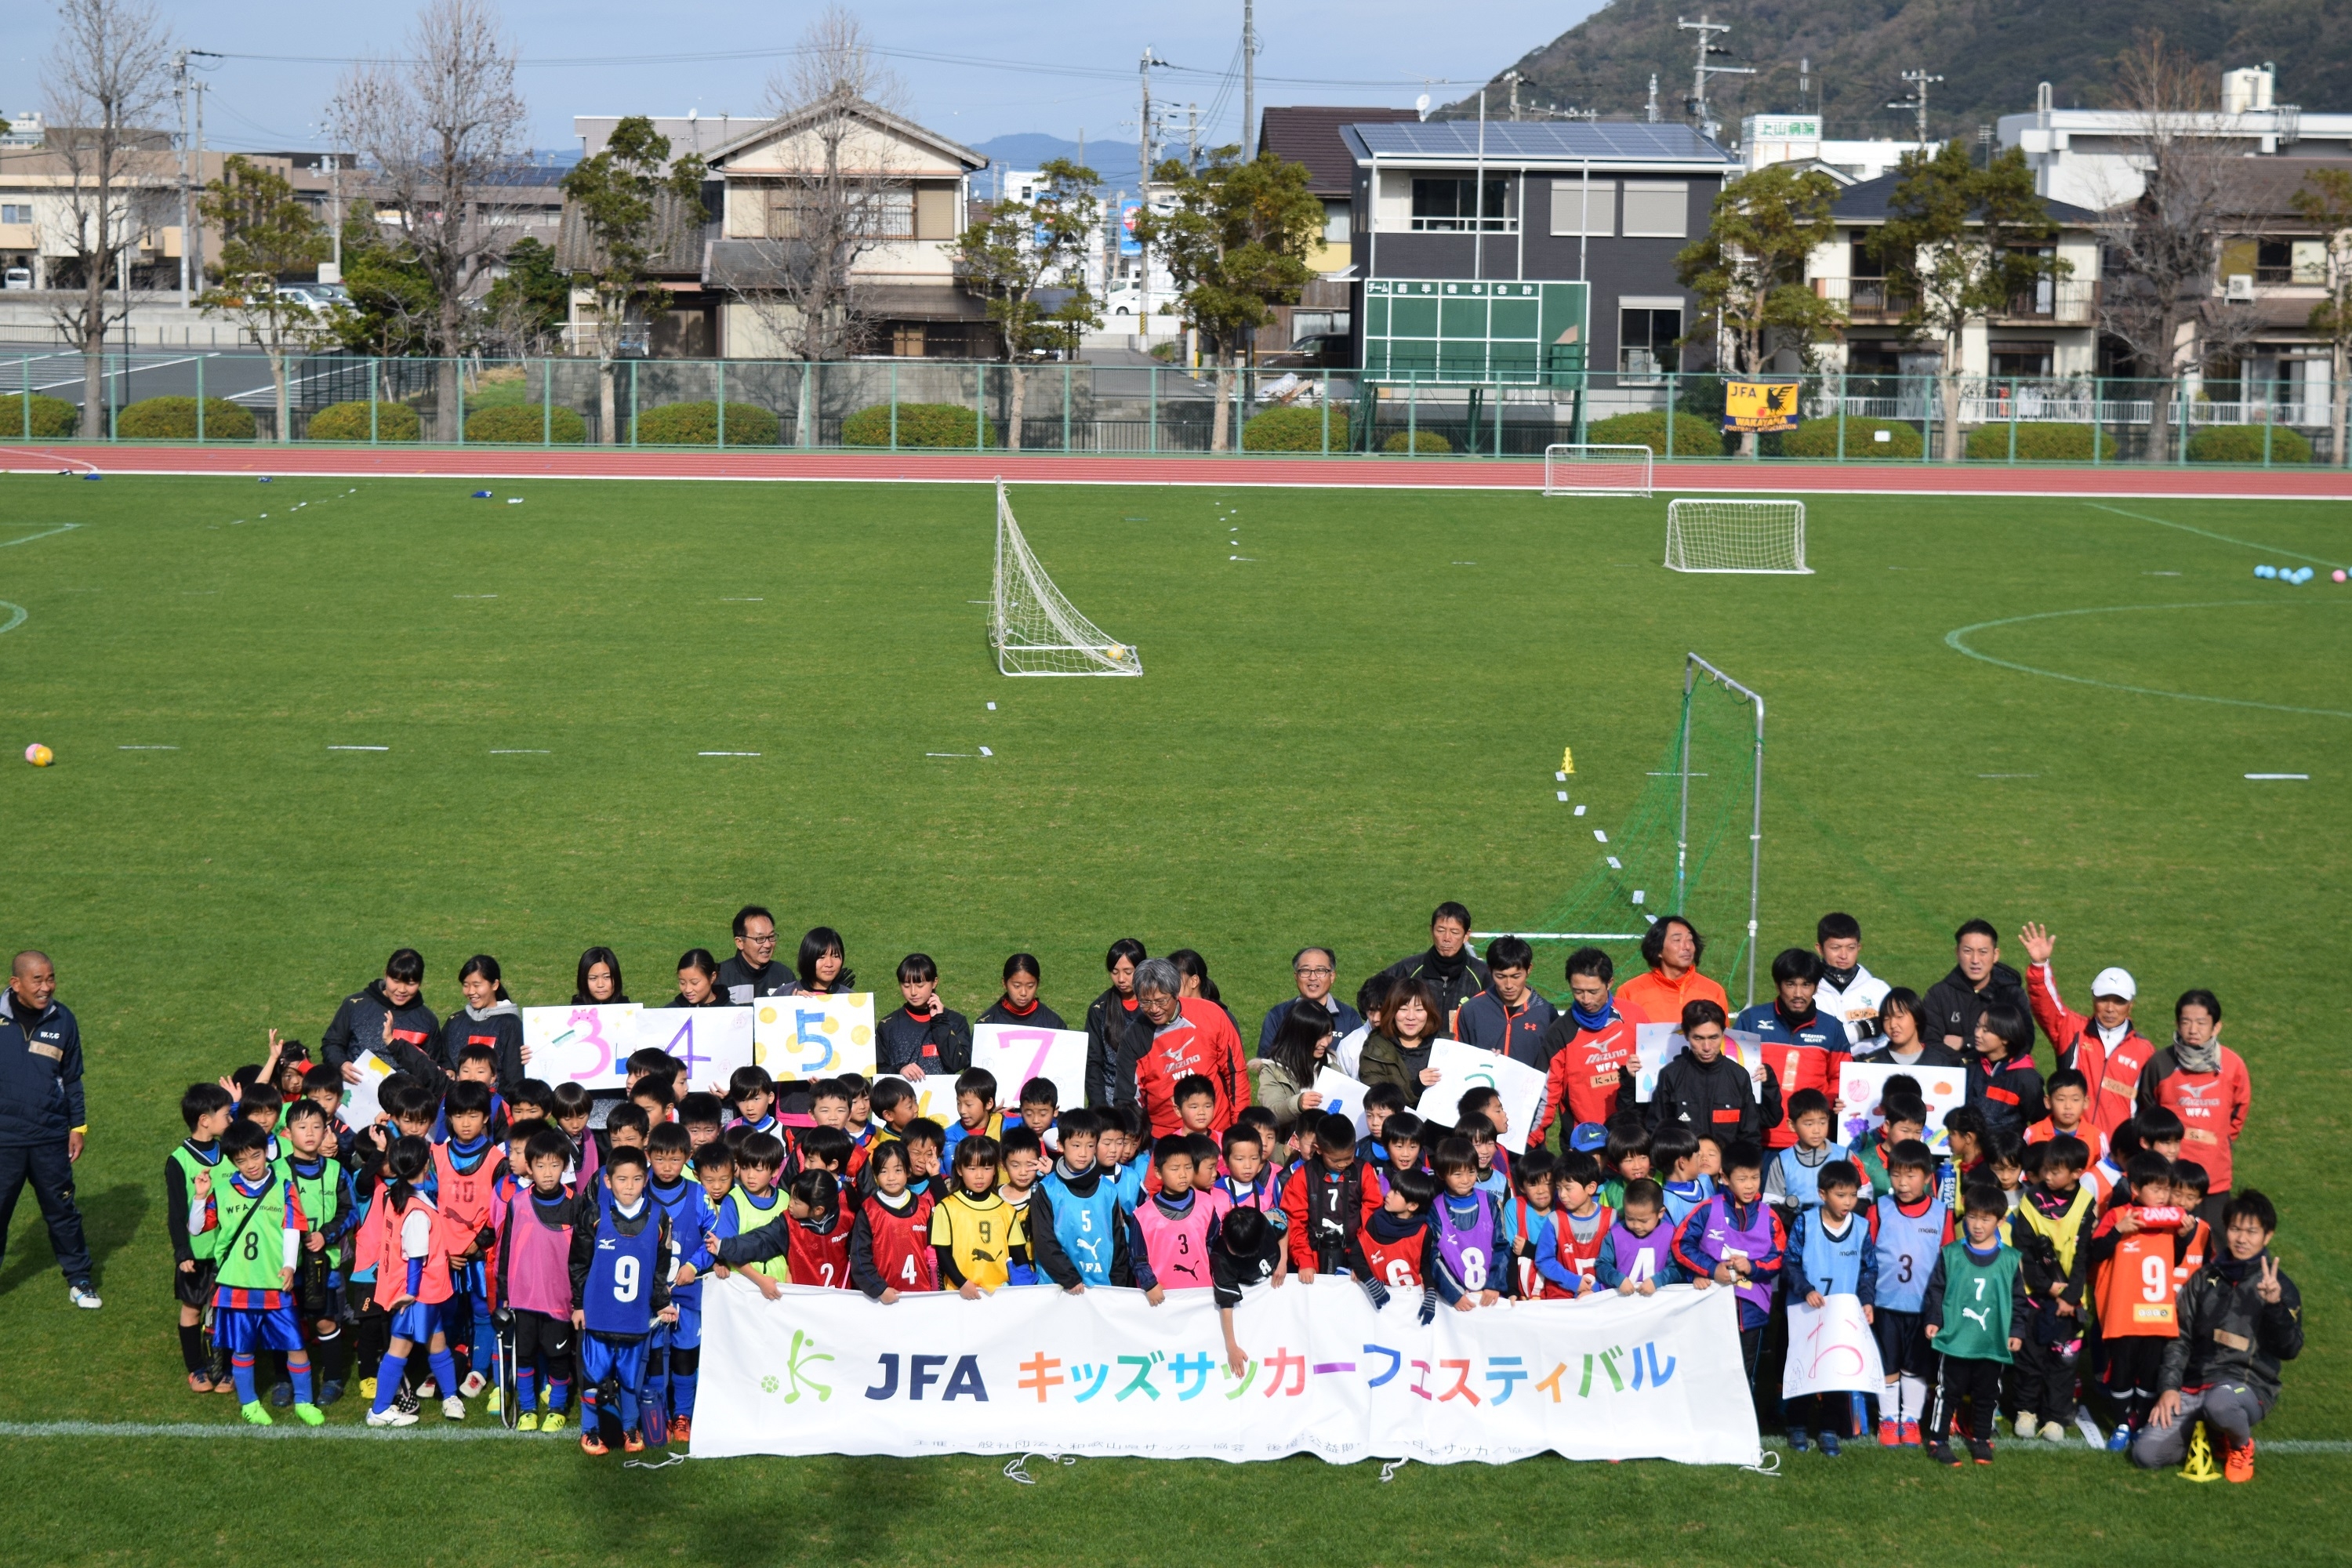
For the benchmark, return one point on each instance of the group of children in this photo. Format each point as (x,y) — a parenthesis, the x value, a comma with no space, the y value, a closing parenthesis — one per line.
(522,1243)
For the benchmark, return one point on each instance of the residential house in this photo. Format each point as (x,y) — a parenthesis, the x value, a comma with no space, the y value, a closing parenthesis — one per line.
(2092,157)
(2268,362)
(1312,136)
(1768,139)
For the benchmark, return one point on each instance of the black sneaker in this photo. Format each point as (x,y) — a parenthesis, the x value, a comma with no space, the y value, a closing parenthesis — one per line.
(1941,1452)
(282,1394)
(328,1392)
(1980,1450)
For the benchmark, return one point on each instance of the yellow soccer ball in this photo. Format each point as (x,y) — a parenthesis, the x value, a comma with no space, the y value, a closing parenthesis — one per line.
(40,756)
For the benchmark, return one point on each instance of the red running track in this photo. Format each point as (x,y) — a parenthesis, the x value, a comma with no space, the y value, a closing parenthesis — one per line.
(1367,472)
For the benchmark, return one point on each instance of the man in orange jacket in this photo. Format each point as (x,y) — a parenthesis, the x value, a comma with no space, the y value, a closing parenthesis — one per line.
(1672,948)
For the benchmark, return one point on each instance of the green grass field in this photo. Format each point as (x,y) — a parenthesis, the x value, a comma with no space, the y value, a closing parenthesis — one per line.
(1358,720)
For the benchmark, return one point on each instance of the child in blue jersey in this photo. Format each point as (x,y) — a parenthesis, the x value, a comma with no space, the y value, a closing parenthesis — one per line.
(323,1189)
(1041,1103)
(1908,1228)
(753,1094)
(258,1248)
(674,1357)
(754,1201)
(1403,1148)
(976,1113)
(1381,1102)
(1792,1176)
(1831,1253)
(1675,1166)
(621,1280)
(1077,1215)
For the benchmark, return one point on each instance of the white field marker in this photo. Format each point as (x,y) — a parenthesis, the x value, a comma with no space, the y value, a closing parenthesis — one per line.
(1598,834)
(726,754)
(742,601)
(1560,776)
(2278,775)
(947,754)
(521,752)
(359,747)
(1613,865)
(146,748)
(1562,794)
(992,707)
(1580,811)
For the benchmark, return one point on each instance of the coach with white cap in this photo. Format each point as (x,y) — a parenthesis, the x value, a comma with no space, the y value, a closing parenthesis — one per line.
(2104,1048)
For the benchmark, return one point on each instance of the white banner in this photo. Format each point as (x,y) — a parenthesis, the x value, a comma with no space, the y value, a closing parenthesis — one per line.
(1655,1044)
(1831,1349)
(814,1036)
(1016,1054)
(583,1045)
(1860,1088)
(711,1043)
(1464,1067)
(829,1372)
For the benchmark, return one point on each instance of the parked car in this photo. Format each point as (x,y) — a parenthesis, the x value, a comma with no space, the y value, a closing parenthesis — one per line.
(16,279)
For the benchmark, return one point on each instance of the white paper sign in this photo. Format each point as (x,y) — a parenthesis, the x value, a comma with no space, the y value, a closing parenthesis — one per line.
(585,1045)
(1831,1349)
(1342,1096)
(709,1042)
(814,1036)
(362,1102)
(1860,1088)
(1464,1067)
(1016,1054)
(1655,1044)
(934,1095)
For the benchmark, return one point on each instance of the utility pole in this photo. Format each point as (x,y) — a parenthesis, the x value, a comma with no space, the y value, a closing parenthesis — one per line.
(1513,78)
(1707,28)
(1916,104)
(180,92)
(1192,136)
(1143,179)
(1249,81)
(1652,116)
(193,240)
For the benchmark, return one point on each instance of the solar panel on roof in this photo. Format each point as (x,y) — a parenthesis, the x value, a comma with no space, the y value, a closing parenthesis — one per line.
(1521,139)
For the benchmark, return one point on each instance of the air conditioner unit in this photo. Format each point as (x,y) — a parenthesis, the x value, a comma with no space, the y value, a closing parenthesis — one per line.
(2241,286)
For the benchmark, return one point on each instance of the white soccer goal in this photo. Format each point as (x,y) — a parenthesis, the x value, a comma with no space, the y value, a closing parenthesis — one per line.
(1032,628)
(1736,536)
(1574,470)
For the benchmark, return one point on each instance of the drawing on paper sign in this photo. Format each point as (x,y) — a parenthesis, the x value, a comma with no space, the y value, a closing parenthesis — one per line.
(585,1045)
(1461,1068)
(1861,1085)
(1016,1054)
(1342,1096)
(934,1096)
(1830,1349)
(711,1043)
(1655,1044)
(814,1036)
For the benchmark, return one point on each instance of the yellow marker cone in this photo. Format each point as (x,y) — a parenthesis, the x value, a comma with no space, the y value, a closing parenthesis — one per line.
(1567,760)
(2200,1465)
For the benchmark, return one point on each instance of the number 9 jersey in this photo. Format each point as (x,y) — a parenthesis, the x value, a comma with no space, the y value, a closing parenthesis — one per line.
(627,1273)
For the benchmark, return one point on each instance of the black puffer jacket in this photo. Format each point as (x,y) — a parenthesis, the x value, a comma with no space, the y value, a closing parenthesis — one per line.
(2229,1334)
(357,1030)
(1714,1097)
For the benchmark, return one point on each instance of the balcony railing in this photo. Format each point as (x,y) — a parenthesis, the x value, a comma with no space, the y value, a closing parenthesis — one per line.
(2061,302)
(1864,298)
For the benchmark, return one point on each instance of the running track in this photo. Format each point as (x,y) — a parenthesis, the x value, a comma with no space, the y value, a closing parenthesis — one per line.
(969,468)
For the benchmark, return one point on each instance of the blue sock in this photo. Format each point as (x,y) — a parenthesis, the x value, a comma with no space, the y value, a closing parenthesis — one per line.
(444,1371)
(526,1389)
(240,1367)
(559,1393)
(387,1379)
(681,1394)
(300,1370)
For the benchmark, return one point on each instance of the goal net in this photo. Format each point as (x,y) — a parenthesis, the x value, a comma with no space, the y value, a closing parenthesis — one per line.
(1676,849)
(1033,629)
(1736,536)
(1572,471)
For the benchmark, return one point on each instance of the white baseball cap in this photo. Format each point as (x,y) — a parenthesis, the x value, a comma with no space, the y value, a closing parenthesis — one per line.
(2114,983)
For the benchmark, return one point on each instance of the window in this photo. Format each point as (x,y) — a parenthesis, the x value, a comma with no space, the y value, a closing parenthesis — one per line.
(2273,262)
(1578,209)
(1306,325)
(1647,331)
(935,212)
(15,212)
(1336,216)
(1444,205)
(2020,360)
(2307,260)
(1657,209)
(889,214)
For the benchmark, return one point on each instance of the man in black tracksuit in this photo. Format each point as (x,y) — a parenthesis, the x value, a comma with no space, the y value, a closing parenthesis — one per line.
(1707,1092)
(1949,1012)
(754,972)
(1446,967)
(359,1025)
(42,1121)
(2240,1317)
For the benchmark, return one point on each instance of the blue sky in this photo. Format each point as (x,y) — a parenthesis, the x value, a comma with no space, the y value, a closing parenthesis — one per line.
(1389,45)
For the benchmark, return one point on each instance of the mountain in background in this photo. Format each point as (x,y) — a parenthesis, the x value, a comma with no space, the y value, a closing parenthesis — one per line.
(1991,54)
(1114,160)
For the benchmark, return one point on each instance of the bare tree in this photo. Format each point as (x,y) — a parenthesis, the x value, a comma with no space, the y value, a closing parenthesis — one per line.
(439,132)
(2163,246)
(106,74)
(841,196)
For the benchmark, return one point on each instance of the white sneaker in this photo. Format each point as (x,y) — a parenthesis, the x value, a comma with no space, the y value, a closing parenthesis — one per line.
(426,1388)
(2026,1425)
(454,1408)
(85,1298)
(2053,1431)
(473,1385)
(392,1416)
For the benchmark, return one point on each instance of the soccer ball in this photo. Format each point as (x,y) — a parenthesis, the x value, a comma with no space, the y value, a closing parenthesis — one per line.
(40,756)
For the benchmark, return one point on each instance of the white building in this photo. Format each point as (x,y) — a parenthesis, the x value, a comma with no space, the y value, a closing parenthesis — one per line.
(2090,157)
(1115,259)
(1768,139)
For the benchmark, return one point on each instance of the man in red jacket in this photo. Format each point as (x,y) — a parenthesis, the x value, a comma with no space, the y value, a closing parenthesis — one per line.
(2104,1048)
(1172,1037)
(1588,1047)
(2203,1082)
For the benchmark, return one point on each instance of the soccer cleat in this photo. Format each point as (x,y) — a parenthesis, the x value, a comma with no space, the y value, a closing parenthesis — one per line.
(257,1414)
(426,1388)
(2199,1465)
(281,1395)
(199,1382)
(1890,1433)
(2240,1464)
(2119,1440)
(552,1422)
(2026,1425)
(527,1422)
(473,1385)
(393,1416)
(454,1408)
(681,1429)
(1829,1444)
(592,1445)
(1942,1454)
(82,1296)
(1910,1433)
(328,1392)
(311,1414)
(1980,1450)
(2054,1432)
(367,1387)
(1797,1439)
(498,1400)
(633,1441)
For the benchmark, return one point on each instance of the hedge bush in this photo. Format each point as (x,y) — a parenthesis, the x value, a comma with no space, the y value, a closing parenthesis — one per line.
(1819,438)
(2037,442)
(174,419)
(1294,430)
(52,418)
(1694,436)
(349,422)
(2243,444)
(949,425)
(697,425)
(1416,441)
(526,425)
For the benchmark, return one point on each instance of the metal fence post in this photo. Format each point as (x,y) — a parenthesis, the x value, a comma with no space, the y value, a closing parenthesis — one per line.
(633,403)
(546,403)
(979,406)
(2267,423)
(24,381)
(375,380)
(200,403)
(1673,383)
(1412,413)
(894,405)
(1840,416)
(460,422)
(2098,421)
(2180,401)
(1325,411)
(1151,414)
(2013,426)
(1066,406)
(719,384)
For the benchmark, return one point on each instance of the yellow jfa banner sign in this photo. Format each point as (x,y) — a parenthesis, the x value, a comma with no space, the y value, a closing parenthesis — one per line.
(1761,406)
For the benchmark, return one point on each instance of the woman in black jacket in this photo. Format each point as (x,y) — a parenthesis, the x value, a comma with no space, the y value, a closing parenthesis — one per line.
(1107,1016)
(489,1017)
(1019,1004)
